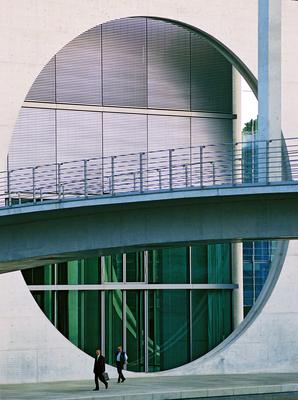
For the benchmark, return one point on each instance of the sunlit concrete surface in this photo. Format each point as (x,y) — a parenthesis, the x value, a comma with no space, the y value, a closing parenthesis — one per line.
(265,386)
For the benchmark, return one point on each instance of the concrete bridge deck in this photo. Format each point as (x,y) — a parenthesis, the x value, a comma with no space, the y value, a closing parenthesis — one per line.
(244,387)
(52,232)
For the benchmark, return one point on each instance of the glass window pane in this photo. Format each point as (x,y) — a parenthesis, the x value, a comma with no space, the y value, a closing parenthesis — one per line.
(199,263)
(219,263)
(135,267)
(135,330)
(113,268)
(199,323)
(40,275)
(113,324)
(79,316)
(91,320)
(219,316)
(62,312)
(168,265)
(168,329)
(90,270)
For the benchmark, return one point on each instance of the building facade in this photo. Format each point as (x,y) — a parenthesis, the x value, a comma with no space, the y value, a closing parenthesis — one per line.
(138,85)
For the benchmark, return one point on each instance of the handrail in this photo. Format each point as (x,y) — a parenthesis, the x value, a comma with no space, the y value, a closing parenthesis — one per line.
(207,165)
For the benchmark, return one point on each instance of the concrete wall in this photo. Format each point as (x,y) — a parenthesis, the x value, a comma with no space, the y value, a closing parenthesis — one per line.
(31,349)
(31,32)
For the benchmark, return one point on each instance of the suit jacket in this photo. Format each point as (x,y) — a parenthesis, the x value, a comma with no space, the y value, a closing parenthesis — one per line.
(122,358)
(99,365)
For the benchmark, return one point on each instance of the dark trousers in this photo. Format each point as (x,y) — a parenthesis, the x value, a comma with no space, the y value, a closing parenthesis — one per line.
(101,378)
(119,370)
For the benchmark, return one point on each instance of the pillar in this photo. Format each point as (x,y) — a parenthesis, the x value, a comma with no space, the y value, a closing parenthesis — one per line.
(269,89)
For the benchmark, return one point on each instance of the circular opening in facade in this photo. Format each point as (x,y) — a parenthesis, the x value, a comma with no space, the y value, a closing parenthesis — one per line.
(131,87)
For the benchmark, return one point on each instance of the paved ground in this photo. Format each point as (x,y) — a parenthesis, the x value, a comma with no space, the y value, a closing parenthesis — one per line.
(261,386)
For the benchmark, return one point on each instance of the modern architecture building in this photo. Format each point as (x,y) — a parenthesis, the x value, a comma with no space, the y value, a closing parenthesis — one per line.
(130,97)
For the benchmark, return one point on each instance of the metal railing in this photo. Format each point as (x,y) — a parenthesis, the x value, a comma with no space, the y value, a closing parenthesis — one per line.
(239,164)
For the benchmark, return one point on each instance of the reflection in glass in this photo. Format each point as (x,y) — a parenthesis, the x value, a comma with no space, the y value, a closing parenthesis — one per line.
(135,329)
(113,324)
(168,329)
(113,268)
(168,265)
(135,267)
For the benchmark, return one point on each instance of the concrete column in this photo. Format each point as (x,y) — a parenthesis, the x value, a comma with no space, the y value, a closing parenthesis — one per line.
(237,257)
(269,88)
(237,278)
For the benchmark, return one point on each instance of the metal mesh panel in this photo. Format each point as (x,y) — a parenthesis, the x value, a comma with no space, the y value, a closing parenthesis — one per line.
(141,60)
(216,159)
(32,144)
(168,66)
(124,62)
(43,88)
(33,138)
(211,78)
(79,137)
(79,70)
(164,133)
(124,134)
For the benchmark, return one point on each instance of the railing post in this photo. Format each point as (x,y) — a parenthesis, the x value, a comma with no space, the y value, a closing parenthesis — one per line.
(237,164)
(33,184)
(59,180)
(232,164)
(8,187)
(171,168)
(201,166)
(186,174)
(85,178)
(159,179)
(134,181)
(113,175)
(213,172)
(267,171)
(141,172)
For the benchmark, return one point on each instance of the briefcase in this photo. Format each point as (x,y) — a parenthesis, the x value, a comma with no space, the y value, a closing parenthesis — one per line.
(105,376)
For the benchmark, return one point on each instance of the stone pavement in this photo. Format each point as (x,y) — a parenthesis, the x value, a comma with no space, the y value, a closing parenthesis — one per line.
(244,387)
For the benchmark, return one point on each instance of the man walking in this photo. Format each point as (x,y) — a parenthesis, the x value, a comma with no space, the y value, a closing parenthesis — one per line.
(121,359)
(99,368)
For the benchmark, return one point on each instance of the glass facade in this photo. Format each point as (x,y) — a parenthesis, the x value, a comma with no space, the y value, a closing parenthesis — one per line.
(131,63)
(148,301)
(257,260)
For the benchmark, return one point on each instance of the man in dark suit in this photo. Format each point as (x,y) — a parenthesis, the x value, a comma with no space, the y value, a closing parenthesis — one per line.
(121,359)
(99,368)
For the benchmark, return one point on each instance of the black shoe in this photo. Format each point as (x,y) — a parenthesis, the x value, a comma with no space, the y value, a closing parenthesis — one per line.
(124,379)
(118,381)
(107,385)
(95,389)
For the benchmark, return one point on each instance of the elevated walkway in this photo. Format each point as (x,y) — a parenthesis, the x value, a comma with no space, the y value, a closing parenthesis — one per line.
(242,387)
(86,208)
(51,232)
